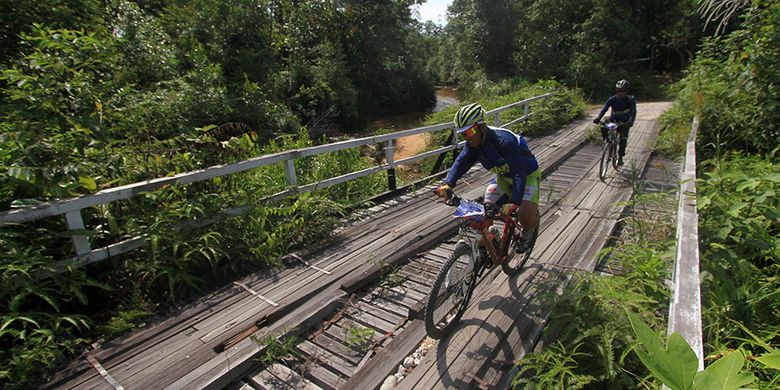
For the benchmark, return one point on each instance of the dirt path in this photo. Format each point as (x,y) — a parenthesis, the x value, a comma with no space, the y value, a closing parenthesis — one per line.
(411,145)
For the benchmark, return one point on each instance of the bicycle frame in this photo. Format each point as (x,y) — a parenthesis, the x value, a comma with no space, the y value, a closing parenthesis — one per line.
(612,132)
(480,224)
(455,282)
(609,154)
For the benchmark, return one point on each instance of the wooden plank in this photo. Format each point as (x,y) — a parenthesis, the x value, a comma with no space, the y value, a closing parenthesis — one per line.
(322,356)
(234,363)
(326,341)
(266,380)
(139,341)
(685,306)
(369,320)
(386,361)
(378,312)
(373,271)
(241,385)
(389,306)
(291,377)
(324,378)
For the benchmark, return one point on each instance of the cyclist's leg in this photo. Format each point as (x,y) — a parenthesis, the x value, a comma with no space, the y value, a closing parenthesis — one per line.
(529,208)
(494,193)
(623,129)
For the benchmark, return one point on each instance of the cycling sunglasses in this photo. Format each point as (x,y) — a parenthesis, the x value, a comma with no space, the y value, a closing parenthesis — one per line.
(620,90)
(471,130)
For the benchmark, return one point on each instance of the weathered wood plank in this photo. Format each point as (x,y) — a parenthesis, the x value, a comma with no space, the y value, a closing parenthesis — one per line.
(323,356)
(387,360)
(234,362)
(325,341)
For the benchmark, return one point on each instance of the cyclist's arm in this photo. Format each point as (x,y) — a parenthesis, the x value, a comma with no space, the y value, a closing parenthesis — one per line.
(632,114)
(466,159)
(605,108)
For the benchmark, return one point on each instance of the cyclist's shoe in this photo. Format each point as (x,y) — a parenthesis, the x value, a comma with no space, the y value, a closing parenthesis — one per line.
(522,245)
(620,161)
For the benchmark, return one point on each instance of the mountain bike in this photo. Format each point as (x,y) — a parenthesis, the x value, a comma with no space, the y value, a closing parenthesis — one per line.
(609,152)
(485,242)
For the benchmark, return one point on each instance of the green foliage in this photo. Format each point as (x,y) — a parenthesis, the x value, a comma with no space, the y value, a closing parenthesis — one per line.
(357,336)
(725,374)
(588,320)
(587,44)
(276,347)
(556,368)
(676,125)
(676,364)
(739,249)
(55,98)
(730,88)
(124,321)
(730,85)
(39,318)
(18,19)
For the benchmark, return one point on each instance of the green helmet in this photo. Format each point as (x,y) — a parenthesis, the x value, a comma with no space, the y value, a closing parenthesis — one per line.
(469,115)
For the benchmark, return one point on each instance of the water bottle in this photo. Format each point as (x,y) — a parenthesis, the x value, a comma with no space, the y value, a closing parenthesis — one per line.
(494,233)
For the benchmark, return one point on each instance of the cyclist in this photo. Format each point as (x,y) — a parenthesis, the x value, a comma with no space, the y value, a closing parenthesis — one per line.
(623,111)
(516,185)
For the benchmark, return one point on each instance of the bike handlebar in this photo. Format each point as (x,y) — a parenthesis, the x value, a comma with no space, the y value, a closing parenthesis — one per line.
(453,200)
(450,199)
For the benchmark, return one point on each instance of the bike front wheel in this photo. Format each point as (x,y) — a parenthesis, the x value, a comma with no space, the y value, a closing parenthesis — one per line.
(513,264)
(605,157)
(614,152)
(451,292)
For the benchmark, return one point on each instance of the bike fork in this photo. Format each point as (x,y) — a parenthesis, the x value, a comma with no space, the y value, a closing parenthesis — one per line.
(469,267)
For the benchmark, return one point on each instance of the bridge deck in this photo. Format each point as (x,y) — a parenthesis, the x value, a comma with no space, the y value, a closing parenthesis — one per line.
(506,316)
(207,344)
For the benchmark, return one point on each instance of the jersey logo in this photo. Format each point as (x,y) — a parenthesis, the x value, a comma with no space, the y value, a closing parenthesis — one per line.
(499,169)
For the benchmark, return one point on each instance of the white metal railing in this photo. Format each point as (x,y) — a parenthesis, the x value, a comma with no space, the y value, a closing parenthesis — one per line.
(71,207)
(685,305)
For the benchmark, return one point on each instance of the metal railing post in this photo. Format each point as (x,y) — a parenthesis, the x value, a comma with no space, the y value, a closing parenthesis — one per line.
(289,171)
(391,184)
(80,242)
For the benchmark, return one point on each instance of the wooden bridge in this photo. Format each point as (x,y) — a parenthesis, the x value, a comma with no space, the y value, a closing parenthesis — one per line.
(353,303)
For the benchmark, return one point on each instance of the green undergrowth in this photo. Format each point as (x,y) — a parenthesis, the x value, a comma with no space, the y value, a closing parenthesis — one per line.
(593,342)
(589,336)
(740,252)
(192,246)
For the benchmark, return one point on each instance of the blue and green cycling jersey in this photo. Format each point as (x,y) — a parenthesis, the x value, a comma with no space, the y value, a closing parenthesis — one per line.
(623,109)
(503,153)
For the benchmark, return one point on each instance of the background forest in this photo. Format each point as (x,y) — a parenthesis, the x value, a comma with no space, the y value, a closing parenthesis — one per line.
(96,94)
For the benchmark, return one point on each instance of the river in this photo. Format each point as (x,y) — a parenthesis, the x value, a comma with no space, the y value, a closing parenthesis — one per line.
(408,146)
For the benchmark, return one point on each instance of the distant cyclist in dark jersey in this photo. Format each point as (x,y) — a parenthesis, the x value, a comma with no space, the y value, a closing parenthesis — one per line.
(516,185)
(623,111)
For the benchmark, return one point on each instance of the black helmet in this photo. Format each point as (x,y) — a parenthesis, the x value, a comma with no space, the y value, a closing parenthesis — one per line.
(622,84)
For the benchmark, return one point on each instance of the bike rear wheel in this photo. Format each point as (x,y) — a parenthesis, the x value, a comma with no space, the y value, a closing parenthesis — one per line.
(605,157)
(513,264)
(451,292)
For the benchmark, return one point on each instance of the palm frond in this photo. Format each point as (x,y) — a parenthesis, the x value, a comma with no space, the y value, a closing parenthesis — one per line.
(720,11)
